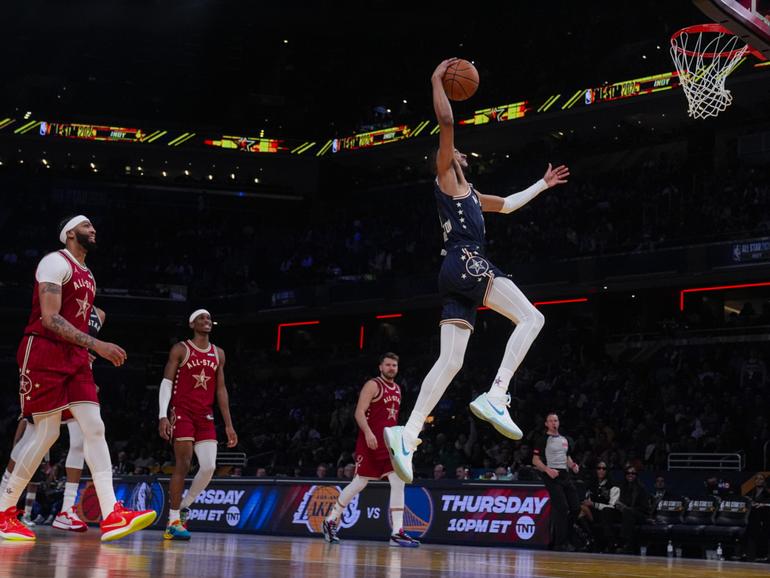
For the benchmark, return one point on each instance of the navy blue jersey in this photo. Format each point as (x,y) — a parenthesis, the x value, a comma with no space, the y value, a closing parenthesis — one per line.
(462,221)
(94,323)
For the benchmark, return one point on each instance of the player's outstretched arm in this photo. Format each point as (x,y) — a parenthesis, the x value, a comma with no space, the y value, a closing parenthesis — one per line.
(368,393)
(552,177)
(223,400)
(445,118)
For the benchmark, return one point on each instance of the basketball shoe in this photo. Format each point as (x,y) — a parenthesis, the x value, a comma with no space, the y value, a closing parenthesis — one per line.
(401,451)
(176,531)
(403,540)
(122,522)
(494,410)
(11,528)
(69,520)
(330,532)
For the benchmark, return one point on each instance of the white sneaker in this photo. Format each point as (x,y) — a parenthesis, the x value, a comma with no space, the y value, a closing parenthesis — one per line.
(69,520)
(400,454)
(27,521)
(495,411)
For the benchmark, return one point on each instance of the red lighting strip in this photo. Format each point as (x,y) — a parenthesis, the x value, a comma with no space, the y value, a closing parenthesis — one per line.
(295,324)
(561,301)
(361,338)
(716,288)
(389,316)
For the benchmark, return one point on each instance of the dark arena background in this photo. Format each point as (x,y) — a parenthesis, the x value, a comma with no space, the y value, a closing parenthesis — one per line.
(271,164)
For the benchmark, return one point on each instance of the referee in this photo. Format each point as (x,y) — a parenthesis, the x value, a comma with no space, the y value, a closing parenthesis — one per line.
(552,457)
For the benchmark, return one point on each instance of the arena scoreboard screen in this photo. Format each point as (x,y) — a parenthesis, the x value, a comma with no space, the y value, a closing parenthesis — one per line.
(371,138)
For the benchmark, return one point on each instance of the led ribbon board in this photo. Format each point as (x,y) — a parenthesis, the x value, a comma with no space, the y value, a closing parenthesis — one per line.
(91,132)
(501,113)
(247,144)
(630,88)
(371,139)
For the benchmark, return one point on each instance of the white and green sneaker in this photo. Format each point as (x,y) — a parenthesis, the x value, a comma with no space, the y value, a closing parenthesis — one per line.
(494,410)
(400,453)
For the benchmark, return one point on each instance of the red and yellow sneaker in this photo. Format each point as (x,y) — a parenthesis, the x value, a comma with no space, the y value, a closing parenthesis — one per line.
(122,522)
(11,528)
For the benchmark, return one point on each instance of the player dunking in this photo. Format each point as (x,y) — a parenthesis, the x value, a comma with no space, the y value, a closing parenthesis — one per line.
(466,280)
(378,405)
(55,374)
(193,377)
(67,518)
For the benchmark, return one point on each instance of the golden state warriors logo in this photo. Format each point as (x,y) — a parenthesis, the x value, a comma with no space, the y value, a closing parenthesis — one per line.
(418,512)
(316,505)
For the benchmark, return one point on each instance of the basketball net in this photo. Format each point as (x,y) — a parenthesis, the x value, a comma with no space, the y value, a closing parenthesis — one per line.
(704,56)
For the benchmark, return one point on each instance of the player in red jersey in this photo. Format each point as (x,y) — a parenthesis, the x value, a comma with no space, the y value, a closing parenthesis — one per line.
(67,518)
(55,374)
(193,377)
(378,405)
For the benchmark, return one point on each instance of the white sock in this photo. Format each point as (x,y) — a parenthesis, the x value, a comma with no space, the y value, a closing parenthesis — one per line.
(97,454)
(508,300)
(70,493)
(396,502)
(354,487)
(173,516)
(6,475)
(206,452)
(29,457)
(454,340)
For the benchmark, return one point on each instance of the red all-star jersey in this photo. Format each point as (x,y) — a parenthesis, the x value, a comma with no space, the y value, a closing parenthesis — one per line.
(382,413)
(196,379)
(77,299)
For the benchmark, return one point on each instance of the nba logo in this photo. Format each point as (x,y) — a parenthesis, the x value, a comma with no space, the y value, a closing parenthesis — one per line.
(525,527)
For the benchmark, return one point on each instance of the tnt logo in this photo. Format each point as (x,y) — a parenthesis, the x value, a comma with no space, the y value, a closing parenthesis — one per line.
(525,527)
(233,516)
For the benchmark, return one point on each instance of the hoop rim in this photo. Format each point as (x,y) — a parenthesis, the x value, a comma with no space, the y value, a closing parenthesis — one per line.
(713,28)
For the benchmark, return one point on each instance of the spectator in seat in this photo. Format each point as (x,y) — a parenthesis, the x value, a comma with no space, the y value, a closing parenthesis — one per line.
(758,532)
(598,509)
(633,504)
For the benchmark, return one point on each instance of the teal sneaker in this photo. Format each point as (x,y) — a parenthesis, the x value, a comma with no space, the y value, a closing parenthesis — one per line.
(495,411)
(400,454)
(176,531)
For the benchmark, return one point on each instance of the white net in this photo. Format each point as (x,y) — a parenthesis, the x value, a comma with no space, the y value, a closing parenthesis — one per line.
(704,60)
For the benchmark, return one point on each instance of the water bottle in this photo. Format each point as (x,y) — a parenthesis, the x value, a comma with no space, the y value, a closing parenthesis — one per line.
(670,550)
(719,552)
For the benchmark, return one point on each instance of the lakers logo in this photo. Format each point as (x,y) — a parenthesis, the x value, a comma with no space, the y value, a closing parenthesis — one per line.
(316,505)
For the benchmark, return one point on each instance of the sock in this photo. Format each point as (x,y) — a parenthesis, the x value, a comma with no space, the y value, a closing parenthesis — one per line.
(396,502)
(508,300)
(454,340)
(173,516)
(351,490)
(70,493)
(29,502)
(206,452)
(6,476)
(500,385)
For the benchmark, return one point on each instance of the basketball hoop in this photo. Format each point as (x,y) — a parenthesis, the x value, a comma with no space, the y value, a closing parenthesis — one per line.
(705,55)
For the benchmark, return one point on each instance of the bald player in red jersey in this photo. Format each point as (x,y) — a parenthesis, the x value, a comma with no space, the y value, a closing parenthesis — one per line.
(378,406)
(55,374)
(194,376)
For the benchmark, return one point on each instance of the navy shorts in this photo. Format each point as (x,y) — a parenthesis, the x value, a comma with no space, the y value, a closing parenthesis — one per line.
(464,282)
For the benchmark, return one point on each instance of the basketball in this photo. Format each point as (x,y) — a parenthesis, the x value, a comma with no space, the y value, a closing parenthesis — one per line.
(461,80)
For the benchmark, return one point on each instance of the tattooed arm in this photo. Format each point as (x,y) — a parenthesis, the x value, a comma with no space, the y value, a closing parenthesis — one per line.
(50,307)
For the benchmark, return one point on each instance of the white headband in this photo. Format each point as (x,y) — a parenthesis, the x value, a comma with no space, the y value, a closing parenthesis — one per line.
(71,224)
(197,312)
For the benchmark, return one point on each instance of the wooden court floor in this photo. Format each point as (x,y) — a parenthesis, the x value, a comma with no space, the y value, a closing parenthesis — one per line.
(147,555)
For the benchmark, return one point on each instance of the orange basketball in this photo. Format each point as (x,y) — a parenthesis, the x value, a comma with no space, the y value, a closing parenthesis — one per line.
(461,80)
